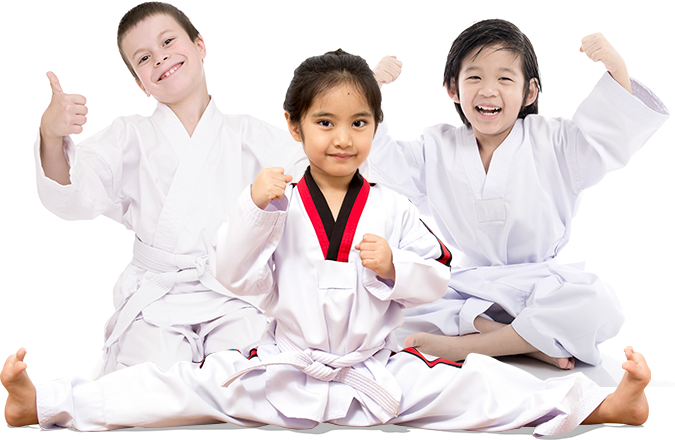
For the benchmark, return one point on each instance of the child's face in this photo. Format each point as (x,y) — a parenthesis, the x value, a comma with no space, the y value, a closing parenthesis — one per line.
(490,91)
(168,64)
(336,132)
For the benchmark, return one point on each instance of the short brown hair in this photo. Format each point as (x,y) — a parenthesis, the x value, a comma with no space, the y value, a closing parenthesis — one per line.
(145,10)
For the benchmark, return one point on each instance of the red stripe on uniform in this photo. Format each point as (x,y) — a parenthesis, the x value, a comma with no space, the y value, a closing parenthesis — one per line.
(313,215)
(432,364)
(446,255)
(353,222)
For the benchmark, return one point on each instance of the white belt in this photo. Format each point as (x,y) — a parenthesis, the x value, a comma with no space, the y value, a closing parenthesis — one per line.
(168,269)
(328,367)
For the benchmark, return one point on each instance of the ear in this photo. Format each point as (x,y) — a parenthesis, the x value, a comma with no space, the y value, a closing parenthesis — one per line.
(293,127)
(453,93)
(532,92)
(142,88)
(201,47)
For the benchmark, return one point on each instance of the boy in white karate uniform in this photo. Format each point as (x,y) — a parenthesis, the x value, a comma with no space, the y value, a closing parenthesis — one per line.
(503,190)
(330,352)
(172,178)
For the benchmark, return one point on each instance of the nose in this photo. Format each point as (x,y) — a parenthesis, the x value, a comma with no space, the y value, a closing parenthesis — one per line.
(342,139)
(489,89)
(161,60)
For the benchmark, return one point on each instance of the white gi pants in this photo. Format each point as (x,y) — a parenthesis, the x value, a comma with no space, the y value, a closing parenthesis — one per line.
(559,309)
(483,395)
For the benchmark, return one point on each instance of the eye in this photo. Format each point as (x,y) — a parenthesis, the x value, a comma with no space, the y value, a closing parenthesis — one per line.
(360,123)
(167,41)
(505,78)
(325,123)
(143,59)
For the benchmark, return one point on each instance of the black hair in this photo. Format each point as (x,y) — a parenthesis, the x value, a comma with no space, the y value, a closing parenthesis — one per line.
(318,74)
(506,36)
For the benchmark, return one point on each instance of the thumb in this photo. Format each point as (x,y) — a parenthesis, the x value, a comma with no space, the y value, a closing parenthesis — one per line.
(288,178)
(54,83)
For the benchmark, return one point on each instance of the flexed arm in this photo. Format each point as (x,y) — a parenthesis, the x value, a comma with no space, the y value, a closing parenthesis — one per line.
(248,238)
(65,115)
(597,48)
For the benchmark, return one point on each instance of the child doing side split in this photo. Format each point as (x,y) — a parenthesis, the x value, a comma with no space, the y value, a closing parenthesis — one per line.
(337,259)
(503,190)
(172,178)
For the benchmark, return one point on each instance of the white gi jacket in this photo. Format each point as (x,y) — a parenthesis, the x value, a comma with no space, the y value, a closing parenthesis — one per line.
(337,308)
(511,222)
(173,191)
(328,353)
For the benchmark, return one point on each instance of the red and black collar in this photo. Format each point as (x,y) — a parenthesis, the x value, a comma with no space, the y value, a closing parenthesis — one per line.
(335,236)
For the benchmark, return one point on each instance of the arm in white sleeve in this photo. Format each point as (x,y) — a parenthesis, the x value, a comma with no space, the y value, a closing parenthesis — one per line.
(95,175)
(246,243)
(398,165)
(611,126)
(421,261)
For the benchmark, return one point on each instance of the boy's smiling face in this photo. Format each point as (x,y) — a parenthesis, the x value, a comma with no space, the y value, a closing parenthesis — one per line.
(168,64)
(490,90)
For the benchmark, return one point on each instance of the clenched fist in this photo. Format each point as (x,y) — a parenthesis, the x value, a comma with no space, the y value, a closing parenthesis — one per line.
(597,48)
(387,70)
(269,185)
(376,255)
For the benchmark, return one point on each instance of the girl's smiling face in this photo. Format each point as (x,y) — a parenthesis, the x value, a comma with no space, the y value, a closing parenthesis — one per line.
(490,91)
(336,133)
(168,64)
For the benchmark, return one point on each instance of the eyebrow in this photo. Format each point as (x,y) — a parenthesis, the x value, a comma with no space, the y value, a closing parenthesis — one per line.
(321,114)
(501,69)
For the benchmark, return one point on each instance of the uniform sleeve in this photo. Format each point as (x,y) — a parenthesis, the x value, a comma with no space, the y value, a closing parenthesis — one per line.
(398,165)
(245,245)
(421,261)
(95,173)
(273,147)
(608,128)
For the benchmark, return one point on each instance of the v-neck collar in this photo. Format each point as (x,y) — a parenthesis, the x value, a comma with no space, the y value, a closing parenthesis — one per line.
(175,131)
(490,185)
(335,235)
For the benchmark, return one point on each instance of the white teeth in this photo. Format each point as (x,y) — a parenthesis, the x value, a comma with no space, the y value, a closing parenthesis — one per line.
(488,110)
(167,74)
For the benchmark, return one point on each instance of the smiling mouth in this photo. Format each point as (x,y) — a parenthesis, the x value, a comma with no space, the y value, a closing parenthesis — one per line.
(342,156)
(488,111)
(170,72)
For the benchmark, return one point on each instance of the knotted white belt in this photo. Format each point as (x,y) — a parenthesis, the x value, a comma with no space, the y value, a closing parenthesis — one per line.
(168,270)
(328,367)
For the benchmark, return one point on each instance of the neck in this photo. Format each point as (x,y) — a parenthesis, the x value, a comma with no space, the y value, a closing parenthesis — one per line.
(328,183)
(487,146)
(190,110)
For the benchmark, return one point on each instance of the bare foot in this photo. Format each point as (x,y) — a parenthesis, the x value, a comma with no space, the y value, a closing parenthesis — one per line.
(628,404)
(562,363)
(457,348)
(20,409)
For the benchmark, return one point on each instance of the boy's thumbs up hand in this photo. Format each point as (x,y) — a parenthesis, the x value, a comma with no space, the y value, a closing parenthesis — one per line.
(65,114)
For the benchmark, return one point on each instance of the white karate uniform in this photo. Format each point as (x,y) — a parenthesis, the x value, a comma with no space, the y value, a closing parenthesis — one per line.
(511,222)
(329,353)
(173,191)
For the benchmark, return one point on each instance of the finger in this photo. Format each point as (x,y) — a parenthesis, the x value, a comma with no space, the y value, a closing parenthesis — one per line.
(370,238)
(54,83)
(77,99)
(288,178)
